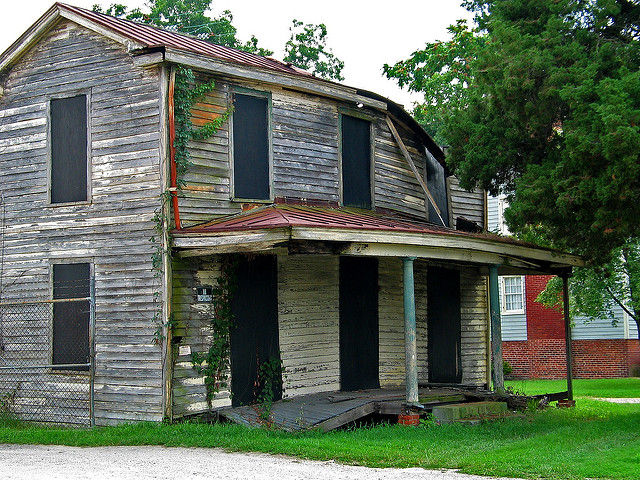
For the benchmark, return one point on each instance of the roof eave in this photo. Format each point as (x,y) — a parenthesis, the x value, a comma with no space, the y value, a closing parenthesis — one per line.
(510,257)
(308,84)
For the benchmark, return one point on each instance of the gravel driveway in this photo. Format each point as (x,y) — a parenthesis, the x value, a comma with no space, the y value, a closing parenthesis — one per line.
(57,462)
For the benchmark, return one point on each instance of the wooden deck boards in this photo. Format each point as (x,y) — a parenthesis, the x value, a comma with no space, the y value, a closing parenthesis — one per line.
(329,410)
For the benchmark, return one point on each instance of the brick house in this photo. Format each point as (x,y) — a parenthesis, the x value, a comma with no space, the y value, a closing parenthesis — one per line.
(533,336)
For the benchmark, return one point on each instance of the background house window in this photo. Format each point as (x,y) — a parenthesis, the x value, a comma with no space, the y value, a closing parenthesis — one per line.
(503,204)
(69,149)
(71,319)
(251,148)
(512,294)
(356,162)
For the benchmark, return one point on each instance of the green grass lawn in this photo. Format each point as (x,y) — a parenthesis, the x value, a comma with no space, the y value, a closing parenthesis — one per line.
(594,440)
(596,388)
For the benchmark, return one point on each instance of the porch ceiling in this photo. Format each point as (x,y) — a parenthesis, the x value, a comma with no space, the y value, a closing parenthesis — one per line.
(349,231)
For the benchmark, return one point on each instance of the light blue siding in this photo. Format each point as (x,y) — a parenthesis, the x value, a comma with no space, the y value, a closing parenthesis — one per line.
(514,327)
(585,329)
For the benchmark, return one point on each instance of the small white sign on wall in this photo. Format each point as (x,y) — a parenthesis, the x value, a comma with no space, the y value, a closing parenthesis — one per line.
(204,294)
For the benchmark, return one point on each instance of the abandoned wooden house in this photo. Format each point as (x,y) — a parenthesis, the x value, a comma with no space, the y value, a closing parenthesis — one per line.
(328,207)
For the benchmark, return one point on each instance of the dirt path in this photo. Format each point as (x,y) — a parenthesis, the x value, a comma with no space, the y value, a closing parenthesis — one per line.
(139,463)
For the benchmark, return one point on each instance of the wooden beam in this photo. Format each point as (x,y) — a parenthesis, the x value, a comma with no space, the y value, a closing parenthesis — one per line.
(567,335)
(496,331)
(510,252)
(416,173)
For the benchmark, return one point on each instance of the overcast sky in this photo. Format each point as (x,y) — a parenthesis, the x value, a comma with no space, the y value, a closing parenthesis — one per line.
(362,35)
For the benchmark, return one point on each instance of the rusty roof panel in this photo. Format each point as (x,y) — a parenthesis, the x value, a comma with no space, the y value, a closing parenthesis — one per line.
(278,216)
(150,37)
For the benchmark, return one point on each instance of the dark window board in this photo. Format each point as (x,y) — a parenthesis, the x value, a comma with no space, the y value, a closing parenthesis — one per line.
(71,319)
(251,152)
(69,149)
(356,162)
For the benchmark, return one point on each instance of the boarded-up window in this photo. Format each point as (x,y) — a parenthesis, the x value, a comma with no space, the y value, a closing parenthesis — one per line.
(250,147)
(356,162)
(71,318)
(69,149)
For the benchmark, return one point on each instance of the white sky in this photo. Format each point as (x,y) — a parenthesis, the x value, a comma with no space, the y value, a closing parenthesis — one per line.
(362,35)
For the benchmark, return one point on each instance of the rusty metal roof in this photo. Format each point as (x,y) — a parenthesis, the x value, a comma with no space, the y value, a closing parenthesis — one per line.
(283,215)
(152,37)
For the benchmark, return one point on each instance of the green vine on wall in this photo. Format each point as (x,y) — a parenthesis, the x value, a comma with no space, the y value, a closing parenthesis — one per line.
(214,363)
(187,92)
(268,386)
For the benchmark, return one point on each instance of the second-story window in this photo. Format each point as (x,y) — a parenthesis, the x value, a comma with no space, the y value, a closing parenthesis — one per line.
(356,162)
(251,147)
(69,149)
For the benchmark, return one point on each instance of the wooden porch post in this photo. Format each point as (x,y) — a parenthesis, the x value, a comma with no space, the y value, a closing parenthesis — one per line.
(496,331)
(567,334)
(411,364)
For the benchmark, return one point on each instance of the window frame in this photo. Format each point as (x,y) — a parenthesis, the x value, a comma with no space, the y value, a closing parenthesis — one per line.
(342,112)
(90,325)
(88,197)
(232,188)
(503,296)
(503,204)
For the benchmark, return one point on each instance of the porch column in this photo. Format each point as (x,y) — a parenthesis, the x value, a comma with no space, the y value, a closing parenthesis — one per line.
(496,331)
(567,334)
(411,365)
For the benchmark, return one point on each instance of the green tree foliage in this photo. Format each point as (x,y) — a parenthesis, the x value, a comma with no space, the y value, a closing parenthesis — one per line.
(548,111)
(442,72)
(552,118)
(188,16)
(307,49)
(596,291)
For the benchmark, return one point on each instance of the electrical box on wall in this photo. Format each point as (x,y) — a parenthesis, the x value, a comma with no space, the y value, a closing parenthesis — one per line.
(204,294)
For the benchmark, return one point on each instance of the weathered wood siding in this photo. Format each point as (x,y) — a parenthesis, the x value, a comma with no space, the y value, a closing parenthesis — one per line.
(396,187)
(111,231)
(473,323)
(474,326)
(193,330)
(305,156)
(308,318)
(391,321)
(470,205)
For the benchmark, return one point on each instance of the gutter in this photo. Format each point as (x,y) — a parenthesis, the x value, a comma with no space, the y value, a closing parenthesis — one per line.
(172,150)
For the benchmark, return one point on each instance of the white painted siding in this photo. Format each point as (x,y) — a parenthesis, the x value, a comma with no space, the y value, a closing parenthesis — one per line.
(308,323)
(474,323)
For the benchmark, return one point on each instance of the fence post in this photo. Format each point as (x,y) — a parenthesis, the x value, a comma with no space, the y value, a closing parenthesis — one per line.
(92,350)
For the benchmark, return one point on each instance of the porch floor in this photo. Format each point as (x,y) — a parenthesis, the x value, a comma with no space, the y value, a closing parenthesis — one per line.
(329,410)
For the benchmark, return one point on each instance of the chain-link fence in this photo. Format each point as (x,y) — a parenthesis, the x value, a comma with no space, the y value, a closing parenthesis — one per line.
(46,372)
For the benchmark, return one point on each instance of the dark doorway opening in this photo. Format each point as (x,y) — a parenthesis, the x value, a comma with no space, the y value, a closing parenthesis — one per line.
(359,346)
(254,334)
(443,325)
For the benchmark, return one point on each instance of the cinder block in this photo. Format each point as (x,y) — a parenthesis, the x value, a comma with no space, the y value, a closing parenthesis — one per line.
(461,411)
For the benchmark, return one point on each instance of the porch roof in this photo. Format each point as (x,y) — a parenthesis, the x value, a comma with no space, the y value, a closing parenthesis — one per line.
(353,231)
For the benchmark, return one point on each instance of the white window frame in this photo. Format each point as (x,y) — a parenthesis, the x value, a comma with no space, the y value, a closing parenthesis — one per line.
(503,296)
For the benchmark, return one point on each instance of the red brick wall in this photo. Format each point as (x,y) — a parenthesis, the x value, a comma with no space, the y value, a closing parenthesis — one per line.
(542,322)
(543,354)
(591,358)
